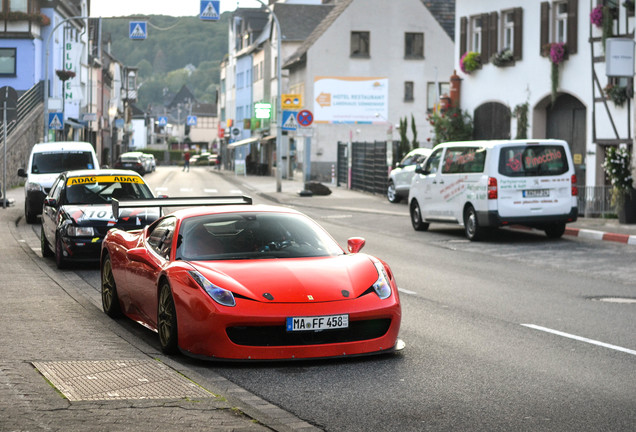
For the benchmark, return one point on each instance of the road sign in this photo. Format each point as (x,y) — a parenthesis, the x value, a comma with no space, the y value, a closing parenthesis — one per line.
(210,10)
(305,118)
(291,101)
(56,121)
(163,121)
(192,120)
(10,96)
(290,123)
(137,30)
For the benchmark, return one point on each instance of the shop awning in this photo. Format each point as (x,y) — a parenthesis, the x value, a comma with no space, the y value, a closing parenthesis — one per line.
(242,142)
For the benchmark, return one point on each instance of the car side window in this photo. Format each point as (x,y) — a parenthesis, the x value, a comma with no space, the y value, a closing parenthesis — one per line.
(56,189)
(432,163)
(160,238)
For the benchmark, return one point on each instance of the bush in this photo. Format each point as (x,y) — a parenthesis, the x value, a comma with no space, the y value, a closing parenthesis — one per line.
(452,125)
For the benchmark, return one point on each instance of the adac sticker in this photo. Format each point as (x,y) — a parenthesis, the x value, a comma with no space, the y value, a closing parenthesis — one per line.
(103,179)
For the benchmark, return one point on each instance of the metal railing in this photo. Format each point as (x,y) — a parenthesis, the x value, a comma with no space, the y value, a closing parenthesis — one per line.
(595,201)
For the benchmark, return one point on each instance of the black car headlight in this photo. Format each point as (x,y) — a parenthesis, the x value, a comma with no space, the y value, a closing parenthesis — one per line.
(382,286)
(218,294)
(76,231)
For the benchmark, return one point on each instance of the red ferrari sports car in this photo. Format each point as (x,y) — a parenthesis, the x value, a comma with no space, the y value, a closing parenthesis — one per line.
(248,282)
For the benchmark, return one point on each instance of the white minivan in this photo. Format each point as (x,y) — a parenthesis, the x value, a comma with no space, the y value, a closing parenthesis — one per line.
(481,184)
(46,162)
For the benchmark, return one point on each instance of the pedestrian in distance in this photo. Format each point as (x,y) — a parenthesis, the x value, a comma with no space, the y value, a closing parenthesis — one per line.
(186,161)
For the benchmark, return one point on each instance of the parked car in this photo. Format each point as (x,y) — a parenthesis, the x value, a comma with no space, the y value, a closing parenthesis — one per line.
(151,163)
(242,282)
(132,161)
(400,177)
(46,162)
(77,212)
(480,184)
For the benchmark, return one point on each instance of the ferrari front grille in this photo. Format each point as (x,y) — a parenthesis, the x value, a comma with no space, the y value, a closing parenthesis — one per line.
(279,336)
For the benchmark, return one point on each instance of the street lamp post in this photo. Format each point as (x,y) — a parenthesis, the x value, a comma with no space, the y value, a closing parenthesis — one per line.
(46,73)
(279,113)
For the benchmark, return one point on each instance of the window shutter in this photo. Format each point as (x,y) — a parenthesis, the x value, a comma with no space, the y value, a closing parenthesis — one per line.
(545,26)
(485,40)
(573,10)
(463,28)
(518,42)
(493,23)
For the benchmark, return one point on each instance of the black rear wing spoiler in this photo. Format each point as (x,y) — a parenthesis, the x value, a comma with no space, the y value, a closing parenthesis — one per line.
(180,202)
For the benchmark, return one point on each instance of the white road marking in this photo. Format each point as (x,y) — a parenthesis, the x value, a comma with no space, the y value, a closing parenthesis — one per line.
(236,191)
(211,191)
(185,190)
(405,291)
(581,339)
(161,189)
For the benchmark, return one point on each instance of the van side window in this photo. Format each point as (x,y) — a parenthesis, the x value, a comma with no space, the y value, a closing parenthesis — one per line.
(464,160)
(432,163)
(526,161)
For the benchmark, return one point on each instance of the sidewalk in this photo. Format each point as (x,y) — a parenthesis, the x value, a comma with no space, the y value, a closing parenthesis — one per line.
(66,366)
(344,199)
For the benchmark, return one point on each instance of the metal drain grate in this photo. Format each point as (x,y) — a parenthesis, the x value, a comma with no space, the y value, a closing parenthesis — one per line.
(119,379)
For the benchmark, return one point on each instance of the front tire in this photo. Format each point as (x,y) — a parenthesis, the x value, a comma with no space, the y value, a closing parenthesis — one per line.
(60,262)
(167,320)
(555,231)
(471,225)
(110,298)
(391,193)
(416,217)
(29,216)
(44,245)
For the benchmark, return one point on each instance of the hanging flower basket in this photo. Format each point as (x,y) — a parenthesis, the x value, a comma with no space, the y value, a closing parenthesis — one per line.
(596,16)
(469,62)
(618,94)
(629,7)
(65,74)
(557,52)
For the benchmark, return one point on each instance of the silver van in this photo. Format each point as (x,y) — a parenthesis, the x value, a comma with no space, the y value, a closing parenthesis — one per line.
(482,184)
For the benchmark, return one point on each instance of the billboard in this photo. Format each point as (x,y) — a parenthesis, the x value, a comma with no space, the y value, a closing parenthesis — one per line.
(350,99)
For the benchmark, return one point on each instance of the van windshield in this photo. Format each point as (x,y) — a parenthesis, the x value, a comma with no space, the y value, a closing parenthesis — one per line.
(57,162)
(533,160)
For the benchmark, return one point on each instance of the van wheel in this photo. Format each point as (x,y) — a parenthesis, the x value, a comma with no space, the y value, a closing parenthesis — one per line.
(555,231)
(416,217)
(391,194)
(29,216)
(471,225)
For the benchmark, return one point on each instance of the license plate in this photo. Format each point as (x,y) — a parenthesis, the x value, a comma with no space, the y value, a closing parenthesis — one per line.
(327,322)
(536,193)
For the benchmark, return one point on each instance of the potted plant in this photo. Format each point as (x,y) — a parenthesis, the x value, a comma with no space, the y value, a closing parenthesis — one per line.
(629,7)
(65,74)
(503,58)
(618,168)
(469,62)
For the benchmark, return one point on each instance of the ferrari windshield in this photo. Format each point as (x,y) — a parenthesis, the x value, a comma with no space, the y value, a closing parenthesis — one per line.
(102,192)
(253,235)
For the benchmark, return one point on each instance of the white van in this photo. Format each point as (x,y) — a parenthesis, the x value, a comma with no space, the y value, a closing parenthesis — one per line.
(46,162)
(480,184)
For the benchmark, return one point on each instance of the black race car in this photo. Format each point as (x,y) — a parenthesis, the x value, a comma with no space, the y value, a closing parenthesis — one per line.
(77,212)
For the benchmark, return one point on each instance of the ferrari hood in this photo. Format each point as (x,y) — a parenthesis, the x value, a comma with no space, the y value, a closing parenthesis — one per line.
(102,215)
(297,280)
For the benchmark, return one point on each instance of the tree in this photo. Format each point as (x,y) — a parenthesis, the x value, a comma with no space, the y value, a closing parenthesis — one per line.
(451,125)
(404,141)
(414,143)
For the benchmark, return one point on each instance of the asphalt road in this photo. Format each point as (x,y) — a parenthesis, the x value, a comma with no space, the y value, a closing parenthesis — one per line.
(507,334)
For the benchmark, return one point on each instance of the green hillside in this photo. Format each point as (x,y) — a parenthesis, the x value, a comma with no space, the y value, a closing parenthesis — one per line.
(172,44)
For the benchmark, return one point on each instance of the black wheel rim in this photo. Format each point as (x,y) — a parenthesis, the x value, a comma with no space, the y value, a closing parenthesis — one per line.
(390,192)
(108,285)
(165,320)
(471,223)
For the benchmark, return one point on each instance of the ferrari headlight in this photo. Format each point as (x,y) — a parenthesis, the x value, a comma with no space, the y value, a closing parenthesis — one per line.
(218,294)
(382,286)
(75,231)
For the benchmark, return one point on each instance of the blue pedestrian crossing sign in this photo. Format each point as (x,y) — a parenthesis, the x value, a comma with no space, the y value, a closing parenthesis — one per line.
(290,122)
(56,121)
(137,30)
(163,121)
(192,120)
(210,10)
